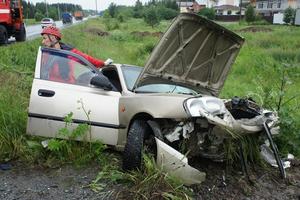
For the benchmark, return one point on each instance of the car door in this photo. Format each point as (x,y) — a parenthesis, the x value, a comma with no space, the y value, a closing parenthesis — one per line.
(54,96)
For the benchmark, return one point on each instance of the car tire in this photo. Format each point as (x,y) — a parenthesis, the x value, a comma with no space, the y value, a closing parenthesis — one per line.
(3,35)
(132,155)
(21,35)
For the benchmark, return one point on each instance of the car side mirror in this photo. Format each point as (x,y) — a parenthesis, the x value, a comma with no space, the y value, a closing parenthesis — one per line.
(101,82)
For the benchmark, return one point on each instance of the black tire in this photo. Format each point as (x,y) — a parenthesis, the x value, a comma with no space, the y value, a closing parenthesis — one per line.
(21,35)
(3,35)
(132,155)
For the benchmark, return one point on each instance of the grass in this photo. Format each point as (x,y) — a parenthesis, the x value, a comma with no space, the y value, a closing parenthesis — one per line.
(266,61)
(29,22)
(149,183)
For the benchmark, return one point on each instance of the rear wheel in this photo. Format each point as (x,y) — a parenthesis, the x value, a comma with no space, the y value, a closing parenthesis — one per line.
(132,155)
(21,35)
(3,35)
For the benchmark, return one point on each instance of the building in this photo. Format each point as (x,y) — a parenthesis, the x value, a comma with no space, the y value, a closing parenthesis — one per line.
(270,7)
(190,6)
(228,10)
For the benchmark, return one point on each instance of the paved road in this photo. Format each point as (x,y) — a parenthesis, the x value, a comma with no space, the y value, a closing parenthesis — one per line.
(34,31)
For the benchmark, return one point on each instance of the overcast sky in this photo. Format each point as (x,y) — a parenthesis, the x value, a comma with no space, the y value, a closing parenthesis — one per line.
(91,4)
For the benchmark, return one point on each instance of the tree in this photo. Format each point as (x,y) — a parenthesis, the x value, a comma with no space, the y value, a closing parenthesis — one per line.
(166,13)
(209,13)
(170,4)
(138,9)
(53,13)
(151,17)
(38,16)
(289,15)
(112,10)
(250,14)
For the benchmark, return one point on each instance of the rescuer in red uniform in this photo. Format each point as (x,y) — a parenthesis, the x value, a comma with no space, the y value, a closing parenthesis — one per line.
(51,38)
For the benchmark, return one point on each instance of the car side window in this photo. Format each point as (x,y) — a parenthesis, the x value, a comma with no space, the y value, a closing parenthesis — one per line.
(64,68)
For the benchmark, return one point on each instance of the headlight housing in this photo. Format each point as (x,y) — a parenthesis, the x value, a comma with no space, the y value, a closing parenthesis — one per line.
(197,106)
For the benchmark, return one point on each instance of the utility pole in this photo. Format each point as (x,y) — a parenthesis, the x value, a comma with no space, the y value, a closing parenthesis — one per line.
(58,11)
(240,10)
(96,6)
(46,9)
(27,17)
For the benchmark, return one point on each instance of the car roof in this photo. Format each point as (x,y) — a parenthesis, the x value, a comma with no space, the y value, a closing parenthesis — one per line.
(46,19)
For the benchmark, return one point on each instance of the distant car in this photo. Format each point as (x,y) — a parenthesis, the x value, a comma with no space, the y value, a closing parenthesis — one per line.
(67,18)
(47,22)
(174,98)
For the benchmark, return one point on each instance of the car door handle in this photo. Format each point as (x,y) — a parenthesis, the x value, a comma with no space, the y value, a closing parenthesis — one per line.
(46,93)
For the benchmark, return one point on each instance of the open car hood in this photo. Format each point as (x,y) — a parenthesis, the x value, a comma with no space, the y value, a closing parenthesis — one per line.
(194,51)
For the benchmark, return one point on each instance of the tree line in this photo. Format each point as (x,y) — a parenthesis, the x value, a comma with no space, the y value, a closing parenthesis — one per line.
(153,12)
(39,10)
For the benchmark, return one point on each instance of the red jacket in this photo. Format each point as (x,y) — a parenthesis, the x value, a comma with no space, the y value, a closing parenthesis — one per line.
(96,62)
(57,72)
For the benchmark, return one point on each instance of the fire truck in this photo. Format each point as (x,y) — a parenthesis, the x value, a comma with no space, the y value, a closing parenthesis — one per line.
(11,21)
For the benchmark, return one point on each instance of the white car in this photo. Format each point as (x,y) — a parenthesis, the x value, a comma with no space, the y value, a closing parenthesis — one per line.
(47,22)
(171,102)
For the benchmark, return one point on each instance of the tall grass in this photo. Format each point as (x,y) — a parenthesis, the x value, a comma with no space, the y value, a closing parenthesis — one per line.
(256,72)
(149,183)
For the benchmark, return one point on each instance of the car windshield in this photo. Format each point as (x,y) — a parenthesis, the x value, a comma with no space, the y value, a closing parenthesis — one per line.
(131,74)
(46,20)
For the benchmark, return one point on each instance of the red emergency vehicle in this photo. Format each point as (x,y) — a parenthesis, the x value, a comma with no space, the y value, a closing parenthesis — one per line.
(11,21)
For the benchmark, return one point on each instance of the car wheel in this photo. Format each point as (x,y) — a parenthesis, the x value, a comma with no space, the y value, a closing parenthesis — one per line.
(3,35)
(132,155)
(21,35)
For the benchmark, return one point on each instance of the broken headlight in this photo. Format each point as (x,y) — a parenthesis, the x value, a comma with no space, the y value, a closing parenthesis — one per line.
(197,106)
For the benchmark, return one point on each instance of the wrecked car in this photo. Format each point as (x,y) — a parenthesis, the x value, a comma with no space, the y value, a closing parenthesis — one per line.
(171,100)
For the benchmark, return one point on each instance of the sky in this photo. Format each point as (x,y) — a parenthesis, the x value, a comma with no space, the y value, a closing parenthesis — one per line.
(91,4)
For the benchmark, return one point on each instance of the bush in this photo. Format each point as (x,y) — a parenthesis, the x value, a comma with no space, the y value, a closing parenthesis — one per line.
(38,16)
(121,18)
(119,36)
(111,24)
(166,13)
(209,13)
(260,22)
(151,17)
(250,14)
(289,139)
(112,10)
(289,15)
(138,10)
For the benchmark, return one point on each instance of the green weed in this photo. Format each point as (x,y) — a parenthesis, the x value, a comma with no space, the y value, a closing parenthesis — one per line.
(149,183)
(71,150)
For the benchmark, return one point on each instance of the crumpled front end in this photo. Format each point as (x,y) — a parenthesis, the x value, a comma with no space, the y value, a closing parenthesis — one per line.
(237,116)
(211,122)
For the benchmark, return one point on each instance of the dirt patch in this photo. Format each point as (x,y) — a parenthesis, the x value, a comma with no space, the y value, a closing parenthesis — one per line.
(97,31)
(255,29)
(67,182)
(146,33)
(264,183)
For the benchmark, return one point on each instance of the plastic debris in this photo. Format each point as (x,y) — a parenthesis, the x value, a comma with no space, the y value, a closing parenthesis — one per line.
(290,156)
(45,143)
(5,166)
(268,155)
(176,164)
